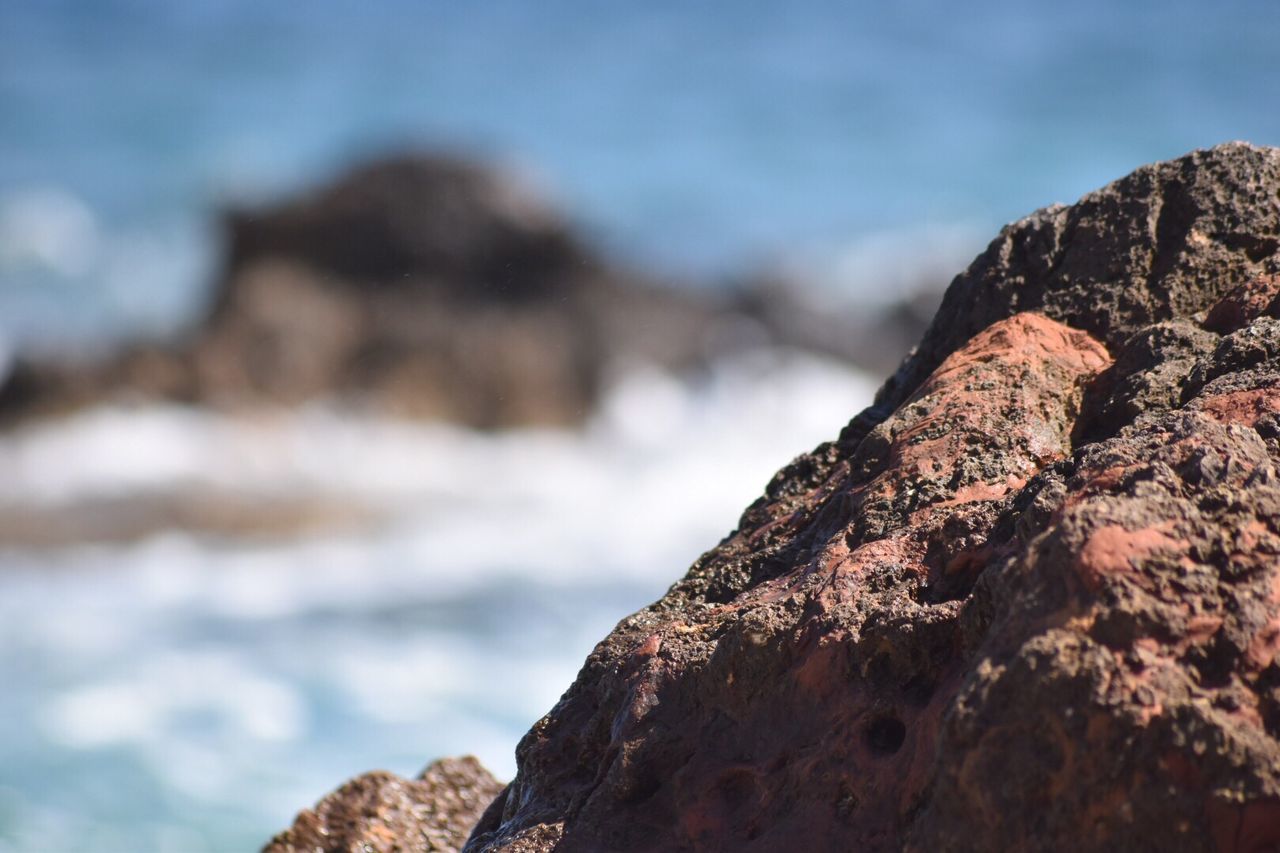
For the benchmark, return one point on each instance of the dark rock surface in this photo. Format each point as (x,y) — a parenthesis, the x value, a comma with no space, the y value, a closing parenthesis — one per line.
(1029,600)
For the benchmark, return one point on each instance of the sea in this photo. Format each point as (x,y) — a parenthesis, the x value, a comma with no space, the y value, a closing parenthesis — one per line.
(190,690)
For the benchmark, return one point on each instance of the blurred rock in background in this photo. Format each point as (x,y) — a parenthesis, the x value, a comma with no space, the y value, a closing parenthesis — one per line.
(431,287)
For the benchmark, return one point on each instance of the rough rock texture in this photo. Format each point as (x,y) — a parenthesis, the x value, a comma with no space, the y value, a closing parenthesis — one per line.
(383,813)
(1029,600)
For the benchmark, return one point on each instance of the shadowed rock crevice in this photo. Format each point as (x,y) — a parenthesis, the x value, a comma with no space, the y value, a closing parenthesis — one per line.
(1030,600)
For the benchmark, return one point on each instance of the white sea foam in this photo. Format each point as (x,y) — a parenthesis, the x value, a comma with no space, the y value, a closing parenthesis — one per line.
(243,677)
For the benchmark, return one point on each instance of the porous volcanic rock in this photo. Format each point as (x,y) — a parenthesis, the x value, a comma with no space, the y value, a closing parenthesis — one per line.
(1029,600)
(382,813)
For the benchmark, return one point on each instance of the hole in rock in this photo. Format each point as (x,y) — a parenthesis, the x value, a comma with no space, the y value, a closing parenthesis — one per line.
(886,734)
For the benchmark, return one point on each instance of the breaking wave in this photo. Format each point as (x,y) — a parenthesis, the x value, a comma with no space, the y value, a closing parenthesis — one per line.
(205,679)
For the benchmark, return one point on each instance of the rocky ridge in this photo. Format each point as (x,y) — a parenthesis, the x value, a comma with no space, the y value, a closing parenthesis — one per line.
(1028,600)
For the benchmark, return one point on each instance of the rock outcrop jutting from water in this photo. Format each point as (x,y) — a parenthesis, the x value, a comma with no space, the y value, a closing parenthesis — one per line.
(419,286)
(1029,600)
(430,287)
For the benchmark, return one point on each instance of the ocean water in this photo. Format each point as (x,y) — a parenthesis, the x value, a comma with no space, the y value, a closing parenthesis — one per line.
(426,590)
(191,692)
(702,138)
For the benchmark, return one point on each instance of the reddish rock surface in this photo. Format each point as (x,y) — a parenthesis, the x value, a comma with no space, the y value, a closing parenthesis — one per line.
(1029,600)
(383,813)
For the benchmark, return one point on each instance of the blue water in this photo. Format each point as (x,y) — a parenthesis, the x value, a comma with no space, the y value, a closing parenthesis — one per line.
(189,692)
(701,138)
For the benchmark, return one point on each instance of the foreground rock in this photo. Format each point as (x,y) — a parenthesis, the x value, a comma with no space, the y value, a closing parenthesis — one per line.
(381,811)
(1030,600)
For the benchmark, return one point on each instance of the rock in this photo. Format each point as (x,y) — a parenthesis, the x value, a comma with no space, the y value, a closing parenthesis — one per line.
(381,812)
(436,288)
(1029,600)
(1164,242)
(419,285)
(428,287)
(479,233)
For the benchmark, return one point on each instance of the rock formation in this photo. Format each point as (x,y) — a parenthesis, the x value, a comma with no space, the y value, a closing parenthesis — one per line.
(421,285)
(437,288)
(431,287)
(434,812)
(1029,600)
